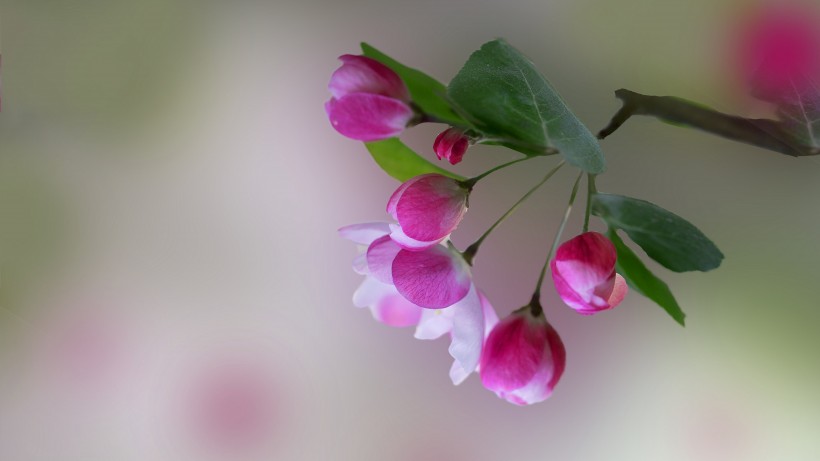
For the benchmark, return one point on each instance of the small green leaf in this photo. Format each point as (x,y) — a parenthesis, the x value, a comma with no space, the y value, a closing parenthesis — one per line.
(427,93)
(508,98)
(643,281)
(666,237)
(401,162)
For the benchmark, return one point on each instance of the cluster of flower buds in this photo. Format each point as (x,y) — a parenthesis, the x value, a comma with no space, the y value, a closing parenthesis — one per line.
(414,275)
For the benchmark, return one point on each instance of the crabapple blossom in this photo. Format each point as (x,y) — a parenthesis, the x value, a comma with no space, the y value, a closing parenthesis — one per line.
(428,208)
(523,358)
(779,52)
(584,274)
(436,276)
(370,102)
(451,144)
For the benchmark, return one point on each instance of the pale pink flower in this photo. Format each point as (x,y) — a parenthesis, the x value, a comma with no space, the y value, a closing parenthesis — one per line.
(431,288)
(377,292)
(451,144)
(523,358)
(428,208)
(584,274)
(370,102)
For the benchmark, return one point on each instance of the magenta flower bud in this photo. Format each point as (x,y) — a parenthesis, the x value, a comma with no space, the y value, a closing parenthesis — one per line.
(523,358)
(428,208)
(370,102)
(451,144)
(779,52)
(584,274)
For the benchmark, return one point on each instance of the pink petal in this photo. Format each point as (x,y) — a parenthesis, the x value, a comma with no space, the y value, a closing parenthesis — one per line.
(584,272)
(360,74)
(468,331)
(394,198)
(366,233)
(402,240)
(551,367)
(431,207)
(386,304)
(490,316)
(380,255)
(513,353)
(618,292)
(435,278)
(368,117)
(395,311)
(451,144)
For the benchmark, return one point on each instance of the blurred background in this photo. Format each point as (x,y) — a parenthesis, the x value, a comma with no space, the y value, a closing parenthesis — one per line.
(172,286)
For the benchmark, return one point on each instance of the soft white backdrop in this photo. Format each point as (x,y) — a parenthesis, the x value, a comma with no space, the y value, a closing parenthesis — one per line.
(171,190)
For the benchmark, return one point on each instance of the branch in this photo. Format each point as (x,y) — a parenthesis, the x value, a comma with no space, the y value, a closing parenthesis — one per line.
(765,133)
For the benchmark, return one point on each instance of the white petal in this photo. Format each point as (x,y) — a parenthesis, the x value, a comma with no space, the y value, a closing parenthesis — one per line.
(364,233)
(468,331)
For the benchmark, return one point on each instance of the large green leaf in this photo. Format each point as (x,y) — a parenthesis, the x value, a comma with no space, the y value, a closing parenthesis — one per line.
(666,237)
(506,97)
(643,281)
(427,93)
(402,162)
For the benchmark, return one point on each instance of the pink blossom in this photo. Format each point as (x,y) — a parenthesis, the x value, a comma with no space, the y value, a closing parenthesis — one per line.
(523,358)
(436,278)
(451,144)
(428,208)
(370,102)
(779,51)
(377,291)
(584,274)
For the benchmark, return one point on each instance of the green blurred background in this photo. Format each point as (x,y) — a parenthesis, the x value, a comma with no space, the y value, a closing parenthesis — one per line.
(168,177)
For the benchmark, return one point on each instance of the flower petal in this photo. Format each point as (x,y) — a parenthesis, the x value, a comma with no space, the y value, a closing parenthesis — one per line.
(457,373)
(365,233)
(618,291)
(513,352)
(395,311)
(386,304)
(431,207)
(435,278)
(408,243)
(360,74)
(380,255)
(468,331)
(368,117)
(369,292)
(434,323)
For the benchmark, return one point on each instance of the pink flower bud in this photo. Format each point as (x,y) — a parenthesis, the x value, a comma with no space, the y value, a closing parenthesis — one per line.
(779,52)
(451,144)
(428,208)
(523,358)
(370,102)
(584,274)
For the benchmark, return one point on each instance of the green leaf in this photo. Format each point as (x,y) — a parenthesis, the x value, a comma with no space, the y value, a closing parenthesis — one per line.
(508,98)
(666,237)
(401,162)
(643,281)
(427,93)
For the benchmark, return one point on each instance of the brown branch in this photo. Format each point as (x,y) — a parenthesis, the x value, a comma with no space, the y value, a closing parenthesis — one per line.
(765,133)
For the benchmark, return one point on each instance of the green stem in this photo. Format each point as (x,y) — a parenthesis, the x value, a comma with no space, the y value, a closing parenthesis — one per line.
(469,183)
(537,293)
(590,193)
(471,250)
